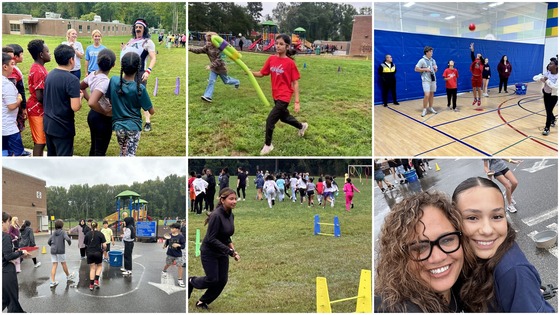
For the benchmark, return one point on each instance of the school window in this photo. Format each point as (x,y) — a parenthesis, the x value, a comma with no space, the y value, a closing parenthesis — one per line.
(14,28)
(69,25)
(103,28)
(79,28)
(88,28)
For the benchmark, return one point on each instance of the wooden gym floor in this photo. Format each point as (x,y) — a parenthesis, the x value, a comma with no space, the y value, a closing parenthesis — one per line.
(504,125)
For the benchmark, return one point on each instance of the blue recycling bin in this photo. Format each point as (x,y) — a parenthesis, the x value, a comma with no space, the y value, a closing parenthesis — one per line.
(115,258)
(411,176)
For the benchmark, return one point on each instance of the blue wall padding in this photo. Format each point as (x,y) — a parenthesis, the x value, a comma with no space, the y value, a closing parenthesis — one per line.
(408,48)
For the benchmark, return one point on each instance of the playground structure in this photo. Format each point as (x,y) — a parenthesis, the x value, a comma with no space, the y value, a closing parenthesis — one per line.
(269,31)
(137,208)
(363,299)
(359,171)
(317,226)
(299,41)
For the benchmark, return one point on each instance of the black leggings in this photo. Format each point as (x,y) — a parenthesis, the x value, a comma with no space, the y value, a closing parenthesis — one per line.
(549,103)
(279,112)
(10,289)
(242,189)
(452,94)
(198,202)
(216,269)
(128,246)
(101,131)
(210,193)
(83,252)
(504,81)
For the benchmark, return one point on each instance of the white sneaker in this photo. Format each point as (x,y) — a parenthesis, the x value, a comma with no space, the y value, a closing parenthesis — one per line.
(485,94)
(164,273)
(513,201)
(511,209)
(71,277)
(266,149)
(424,111)
(181,283)
(304,127)
(432,110)
(238,199)
(53,284)
(37,264)
(123,269)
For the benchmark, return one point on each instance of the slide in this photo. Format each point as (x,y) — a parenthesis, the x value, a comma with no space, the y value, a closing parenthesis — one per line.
(255,43)
(112,218)
(269,46)
(307,44)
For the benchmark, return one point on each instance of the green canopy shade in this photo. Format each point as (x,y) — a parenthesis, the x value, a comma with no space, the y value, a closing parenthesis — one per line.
(269,23)
(142,201)
(128,193)
(300,29)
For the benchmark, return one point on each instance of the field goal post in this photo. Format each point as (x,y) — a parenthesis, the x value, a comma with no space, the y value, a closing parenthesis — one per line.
(355,170)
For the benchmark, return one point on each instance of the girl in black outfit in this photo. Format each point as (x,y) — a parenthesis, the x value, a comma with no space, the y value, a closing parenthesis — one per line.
(10,289)
(210,191)
(215,249)
(95,242)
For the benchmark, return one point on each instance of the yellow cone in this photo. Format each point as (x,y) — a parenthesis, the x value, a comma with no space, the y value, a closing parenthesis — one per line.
(437,167)
(44,250)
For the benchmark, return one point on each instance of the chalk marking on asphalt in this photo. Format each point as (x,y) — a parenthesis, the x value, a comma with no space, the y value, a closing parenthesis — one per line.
(541,217)
(117,295)
(39,297)
(167,285)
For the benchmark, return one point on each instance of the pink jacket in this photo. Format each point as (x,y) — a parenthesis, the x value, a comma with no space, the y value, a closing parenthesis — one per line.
(349,189)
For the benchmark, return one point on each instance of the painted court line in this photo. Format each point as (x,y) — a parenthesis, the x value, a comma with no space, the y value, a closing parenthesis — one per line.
(471,116)
(541,217)
(443,133)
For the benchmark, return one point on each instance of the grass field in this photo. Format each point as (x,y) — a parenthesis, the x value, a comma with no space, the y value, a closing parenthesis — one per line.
(337,106)
(281,258)
(167,137)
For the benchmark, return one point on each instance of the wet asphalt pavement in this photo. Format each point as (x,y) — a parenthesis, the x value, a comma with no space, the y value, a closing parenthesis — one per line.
(146,291)
(536,197)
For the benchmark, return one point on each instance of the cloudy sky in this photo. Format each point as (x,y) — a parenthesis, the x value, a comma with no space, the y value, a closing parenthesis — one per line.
(112,171)
(268,6)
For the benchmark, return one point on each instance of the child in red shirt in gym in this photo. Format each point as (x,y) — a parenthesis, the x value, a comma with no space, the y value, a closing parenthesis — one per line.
(284,77)
(450,76)
(476,68)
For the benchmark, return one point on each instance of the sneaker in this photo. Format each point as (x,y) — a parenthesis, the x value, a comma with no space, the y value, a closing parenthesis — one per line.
(148,127)
(506,91)
(478,103)
(238,199)
(429,167)
(96,283)
(474,102)
(546,132)
(201,305)
(396,103)
(352,206)
(456,110)
(448,107)
(123,269)
(552,124)
(266,149)
(236,86)
(37,264)
(432,110)
(304,127)
(25,153)
(91,287)
(164,273)
(127,273)
(190,287)
(384,105)
(273,202)
(511,209)
(70,277)
(243,199)
(53,284)
(181,283)
(424,111)
(485,94)
(513,201)
(383,190)
(206,99)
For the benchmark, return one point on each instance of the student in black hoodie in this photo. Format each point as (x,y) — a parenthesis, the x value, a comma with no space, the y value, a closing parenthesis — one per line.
(215,249)
(10,289)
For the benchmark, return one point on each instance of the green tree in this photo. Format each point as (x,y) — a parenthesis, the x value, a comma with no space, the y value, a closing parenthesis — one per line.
(88,17)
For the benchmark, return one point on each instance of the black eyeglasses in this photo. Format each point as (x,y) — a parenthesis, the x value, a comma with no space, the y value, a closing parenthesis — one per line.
(422,250)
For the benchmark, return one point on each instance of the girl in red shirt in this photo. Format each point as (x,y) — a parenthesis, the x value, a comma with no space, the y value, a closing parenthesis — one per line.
(476,68)
(450,76)
(284,76)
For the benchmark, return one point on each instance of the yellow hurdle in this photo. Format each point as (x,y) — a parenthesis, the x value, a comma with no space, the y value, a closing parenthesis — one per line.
(363,299)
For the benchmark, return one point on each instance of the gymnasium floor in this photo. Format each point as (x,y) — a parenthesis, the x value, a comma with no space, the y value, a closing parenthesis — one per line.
(504,125)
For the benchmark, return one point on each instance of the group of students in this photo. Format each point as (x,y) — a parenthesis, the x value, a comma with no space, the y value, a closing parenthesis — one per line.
(55,96)
(458,254)
(284,78)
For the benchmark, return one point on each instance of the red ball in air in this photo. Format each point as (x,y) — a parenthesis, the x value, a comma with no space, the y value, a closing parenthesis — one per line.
(472,27)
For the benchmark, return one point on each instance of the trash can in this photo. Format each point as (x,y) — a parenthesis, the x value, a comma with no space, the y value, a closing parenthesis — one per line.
(520,88)
(115,258)
(410,176)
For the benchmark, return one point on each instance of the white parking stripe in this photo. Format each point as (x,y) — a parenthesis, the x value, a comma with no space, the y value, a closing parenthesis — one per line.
(530,221)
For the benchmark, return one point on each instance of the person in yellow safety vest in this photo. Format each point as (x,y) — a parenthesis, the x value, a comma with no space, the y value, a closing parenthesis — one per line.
(387,71)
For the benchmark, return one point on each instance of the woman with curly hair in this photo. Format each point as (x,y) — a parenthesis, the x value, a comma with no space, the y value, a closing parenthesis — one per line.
(502,280)
(421,256)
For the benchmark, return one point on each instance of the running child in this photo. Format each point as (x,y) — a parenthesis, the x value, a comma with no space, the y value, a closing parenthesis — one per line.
(128,96)
(349,189)
(284,77)
(450,76)
(302,188)
(12,144)
(319,188)
(95,246)
(310,192)
(36,83)
(58,252)
(477,67)
(329,191)
(270,189)
(217,67)
(281,183)
(174,246)
(99,117)
(109,238)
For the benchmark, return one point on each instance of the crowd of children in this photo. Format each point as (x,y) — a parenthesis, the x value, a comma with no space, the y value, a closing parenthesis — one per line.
(55,96)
